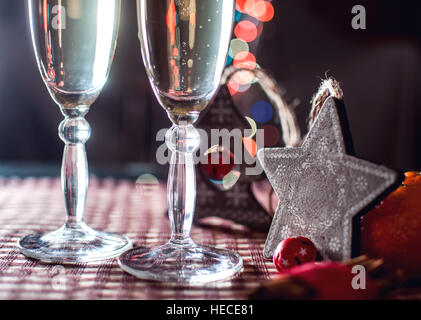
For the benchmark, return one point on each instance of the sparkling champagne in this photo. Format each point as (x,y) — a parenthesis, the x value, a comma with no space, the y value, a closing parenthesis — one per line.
(74,42)
(184,46)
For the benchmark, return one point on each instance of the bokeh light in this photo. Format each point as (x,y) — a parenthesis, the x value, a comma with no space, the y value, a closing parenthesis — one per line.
(148,184)
(222,175)
(229,60)
(234,87)
(238,15)
(240,5)
(245,60)
(249,5)
(251,146)
(241,81)
(272,135)
(246,30)
(253,127)
(237,46)
(250,15)
(262,111)
(262,10)
(244,77)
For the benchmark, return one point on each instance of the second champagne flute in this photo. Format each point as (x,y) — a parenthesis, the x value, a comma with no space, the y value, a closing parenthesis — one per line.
(184,47)
(74,42)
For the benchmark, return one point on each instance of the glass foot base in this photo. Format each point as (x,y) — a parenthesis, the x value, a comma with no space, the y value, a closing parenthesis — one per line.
(181,263)
(76,244)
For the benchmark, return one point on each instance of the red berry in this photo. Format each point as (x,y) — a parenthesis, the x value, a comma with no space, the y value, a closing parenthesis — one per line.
(293,252)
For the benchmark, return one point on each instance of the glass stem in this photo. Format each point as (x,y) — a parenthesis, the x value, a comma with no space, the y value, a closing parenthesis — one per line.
(74,131)
(182,140)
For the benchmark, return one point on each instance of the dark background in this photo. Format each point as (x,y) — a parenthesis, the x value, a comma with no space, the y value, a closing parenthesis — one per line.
(379,68)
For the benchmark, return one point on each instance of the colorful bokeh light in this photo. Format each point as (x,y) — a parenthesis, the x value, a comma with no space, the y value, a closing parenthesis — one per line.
(148,184)
(244,77)
(222,175)
(251,146)
(250,15)
(234,87)
(240,5)
(262,10)
(246,30)
(262,111)
(272,135)
(237,46)
(245,60)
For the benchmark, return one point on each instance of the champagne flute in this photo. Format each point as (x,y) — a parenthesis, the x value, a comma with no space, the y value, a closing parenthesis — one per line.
(74,43)
(184,47)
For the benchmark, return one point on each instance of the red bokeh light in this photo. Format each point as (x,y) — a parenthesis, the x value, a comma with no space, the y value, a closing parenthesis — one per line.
(263,11)
(172,21)
(243,77)
(260,9)
(240,5)
(246,30)
(251,146)
(235,87)
(249,6)
(245,60)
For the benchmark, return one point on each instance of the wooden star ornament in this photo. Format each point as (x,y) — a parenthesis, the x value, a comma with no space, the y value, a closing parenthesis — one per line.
(321,187)
(236,202)
(225,191)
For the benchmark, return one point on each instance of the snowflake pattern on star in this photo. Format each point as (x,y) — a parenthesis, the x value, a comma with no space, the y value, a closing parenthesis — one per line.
(330,165)
(297,171)
(281,170)
(324,144)
(335,244)
(341,198)
(361,184)
(341,180)
(312,229)
(285,232)
(292,208)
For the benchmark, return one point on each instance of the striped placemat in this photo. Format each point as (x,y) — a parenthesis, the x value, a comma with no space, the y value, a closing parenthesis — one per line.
(28,205)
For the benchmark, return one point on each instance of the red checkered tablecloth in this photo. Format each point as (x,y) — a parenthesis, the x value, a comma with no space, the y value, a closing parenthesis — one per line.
(28,205)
